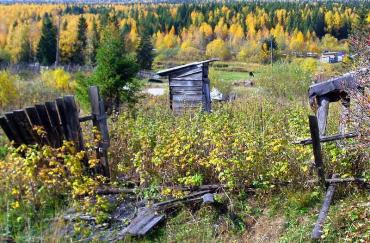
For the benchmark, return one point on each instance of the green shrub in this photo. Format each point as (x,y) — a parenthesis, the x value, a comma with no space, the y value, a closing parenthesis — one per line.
(243,143)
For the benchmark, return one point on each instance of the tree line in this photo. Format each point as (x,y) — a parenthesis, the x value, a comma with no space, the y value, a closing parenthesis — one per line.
(71,34)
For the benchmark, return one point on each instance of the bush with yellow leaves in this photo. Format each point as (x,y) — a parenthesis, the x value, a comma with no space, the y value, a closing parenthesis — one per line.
(39,179)
(242,143)
(8,89)
(58,79)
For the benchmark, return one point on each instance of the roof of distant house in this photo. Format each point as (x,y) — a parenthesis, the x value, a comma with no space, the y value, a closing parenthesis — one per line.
(175,69)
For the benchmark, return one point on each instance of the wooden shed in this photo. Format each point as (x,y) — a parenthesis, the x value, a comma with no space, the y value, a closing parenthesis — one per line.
(189,86)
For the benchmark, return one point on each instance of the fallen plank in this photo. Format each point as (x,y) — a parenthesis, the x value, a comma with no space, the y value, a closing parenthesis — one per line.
(341,180)
(146,219)
(149,217)
(110,190)
(317,231)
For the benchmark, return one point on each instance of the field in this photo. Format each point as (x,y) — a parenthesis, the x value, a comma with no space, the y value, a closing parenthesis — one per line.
(267,186)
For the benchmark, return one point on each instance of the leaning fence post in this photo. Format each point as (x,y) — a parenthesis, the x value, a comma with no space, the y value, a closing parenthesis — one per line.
(316,146)
(317,231)
(100,122)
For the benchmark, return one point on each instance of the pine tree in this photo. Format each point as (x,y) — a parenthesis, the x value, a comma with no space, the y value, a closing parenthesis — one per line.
(94,42)
(144,53)
(26,54)
(80,45)
(114,73)
(47,47)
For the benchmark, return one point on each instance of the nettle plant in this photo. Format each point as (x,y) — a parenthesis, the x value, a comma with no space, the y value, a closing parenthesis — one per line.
(239,144)
(37,178)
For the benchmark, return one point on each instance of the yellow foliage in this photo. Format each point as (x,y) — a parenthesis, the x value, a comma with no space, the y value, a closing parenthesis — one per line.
(221,29)
(218,48)
(8,90)
(297,42)
(206,29)
(309,65)
(58,79)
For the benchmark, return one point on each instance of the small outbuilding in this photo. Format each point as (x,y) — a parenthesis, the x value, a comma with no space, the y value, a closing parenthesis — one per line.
(189,86)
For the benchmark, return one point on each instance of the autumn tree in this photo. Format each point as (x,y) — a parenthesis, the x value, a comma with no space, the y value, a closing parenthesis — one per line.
(218,48)
(94,42)
(47,47)
(78,56)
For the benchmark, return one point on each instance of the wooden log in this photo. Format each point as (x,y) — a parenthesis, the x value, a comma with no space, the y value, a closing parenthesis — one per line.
(9,132)
(55,121)
(45,120)
(317,231)
(36,121)
(330,138)
(316,146)
(100,122)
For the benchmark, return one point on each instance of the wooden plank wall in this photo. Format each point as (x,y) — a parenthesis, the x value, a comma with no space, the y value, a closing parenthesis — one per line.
(25,126)
(53,122)
(187,89)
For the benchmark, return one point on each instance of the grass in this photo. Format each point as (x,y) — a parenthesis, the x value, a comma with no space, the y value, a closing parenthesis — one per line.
(230,76)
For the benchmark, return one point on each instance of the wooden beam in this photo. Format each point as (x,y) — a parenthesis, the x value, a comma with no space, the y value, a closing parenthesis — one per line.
(99,118)
(316,146)
(325,139)
(317,231)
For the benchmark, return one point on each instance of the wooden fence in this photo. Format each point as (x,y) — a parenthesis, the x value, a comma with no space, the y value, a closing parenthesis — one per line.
(329,183)
(60,121)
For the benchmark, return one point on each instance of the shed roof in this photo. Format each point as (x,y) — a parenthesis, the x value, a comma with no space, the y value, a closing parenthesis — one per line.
(177,68)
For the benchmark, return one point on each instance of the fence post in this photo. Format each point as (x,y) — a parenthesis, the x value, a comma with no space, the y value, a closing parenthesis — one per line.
(315,135)
(100,122)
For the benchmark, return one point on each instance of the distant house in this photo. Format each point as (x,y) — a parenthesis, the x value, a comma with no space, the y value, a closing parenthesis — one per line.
(332,57)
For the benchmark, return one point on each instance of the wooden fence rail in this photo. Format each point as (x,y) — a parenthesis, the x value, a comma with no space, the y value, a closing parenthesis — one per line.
(60,121)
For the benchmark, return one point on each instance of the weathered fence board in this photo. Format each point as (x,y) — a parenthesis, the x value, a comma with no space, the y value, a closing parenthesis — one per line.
(59,121)
(15,128)
(25,126)
(43,114)
(8,131)
(63,117)
(55,121)
(36,122)
(100,122)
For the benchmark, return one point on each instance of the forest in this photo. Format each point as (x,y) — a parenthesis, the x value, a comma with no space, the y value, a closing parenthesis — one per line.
(185,121)
(237,31)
